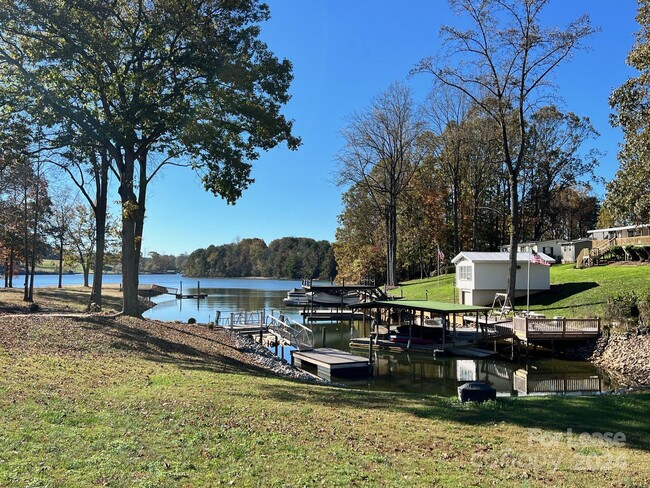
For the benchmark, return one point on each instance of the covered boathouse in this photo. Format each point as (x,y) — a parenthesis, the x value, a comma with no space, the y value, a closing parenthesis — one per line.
(417,324)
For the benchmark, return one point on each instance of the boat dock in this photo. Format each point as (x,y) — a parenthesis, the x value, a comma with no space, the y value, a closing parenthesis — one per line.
(463,349)
(332,362)
(426,326)
(287,332)
(330,314)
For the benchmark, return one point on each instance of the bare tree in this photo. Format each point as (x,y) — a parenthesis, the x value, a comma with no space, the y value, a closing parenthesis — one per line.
(446,111)
(381,155)
(503,62)
(62,208)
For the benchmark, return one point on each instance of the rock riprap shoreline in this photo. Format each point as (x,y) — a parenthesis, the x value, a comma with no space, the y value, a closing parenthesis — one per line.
(626,357)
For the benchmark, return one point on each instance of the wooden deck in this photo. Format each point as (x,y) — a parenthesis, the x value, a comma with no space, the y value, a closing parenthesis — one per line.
(331,362)
(533,328)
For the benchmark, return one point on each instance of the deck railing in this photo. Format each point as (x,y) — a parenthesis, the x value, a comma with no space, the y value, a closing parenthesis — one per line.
(555,382)
(233,319)
(538,328)
(299,336)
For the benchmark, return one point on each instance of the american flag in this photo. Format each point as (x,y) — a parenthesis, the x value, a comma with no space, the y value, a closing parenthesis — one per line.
(537,259)
(441,255)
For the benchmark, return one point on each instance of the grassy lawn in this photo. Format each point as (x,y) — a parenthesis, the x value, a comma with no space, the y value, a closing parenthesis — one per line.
(51,266)
(138,403)
(52,299)
(574,292)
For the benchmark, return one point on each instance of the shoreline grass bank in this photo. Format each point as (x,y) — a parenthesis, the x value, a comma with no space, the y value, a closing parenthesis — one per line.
(94,400)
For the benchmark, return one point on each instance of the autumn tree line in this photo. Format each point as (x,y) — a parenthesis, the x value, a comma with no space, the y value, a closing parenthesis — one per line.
(108,93)
(288,257)
(455,193)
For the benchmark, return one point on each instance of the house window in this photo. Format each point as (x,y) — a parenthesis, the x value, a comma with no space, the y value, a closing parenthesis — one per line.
(464,273)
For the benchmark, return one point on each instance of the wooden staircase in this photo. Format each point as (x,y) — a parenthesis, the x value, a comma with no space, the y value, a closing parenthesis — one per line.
(592,257)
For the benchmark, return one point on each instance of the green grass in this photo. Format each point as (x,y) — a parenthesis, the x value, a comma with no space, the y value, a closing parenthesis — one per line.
(51,266)
(574,292)
(141,422)
(136,403)
(51,299)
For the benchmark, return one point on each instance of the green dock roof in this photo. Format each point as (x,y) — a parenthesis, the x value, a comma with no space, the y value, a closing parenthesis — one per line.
(424,305)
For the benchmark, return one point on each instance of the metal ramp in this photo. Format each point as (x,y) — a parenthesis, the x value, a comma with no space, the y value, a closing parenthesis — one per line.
(295,334)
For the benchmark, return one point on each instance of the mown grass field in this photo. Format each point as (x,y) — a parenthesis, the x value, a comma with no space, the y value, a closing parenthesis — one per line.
(137,403)
(574,292)
(52,299)
(51,266)
(90,401)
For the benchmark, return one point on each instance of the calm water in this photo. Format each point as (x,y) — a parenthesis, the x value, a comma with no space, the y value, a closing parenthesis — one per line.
(391,371)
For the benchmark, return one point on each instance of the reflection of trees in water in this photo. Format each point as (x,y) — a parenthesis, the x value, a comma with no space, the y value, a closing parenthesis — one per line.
(218,299)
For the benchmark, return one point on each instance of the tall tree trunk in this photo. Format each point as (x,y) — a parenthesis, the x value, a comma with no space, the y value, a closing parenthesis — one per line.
(61,261)
(475,223)
(25,245)
(35,229)
(12,265)
(130,305)
(86,271)
(391,275)
(455,197)
(100,209)
(514,238)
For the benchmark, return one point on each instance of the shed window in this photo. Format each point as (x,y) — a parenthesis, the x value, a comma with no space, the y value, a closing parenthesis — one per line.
(465,273)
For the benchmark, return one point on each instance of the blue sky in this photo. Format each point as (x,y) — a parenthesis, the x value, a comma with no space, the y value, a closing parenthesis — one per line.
(344,52)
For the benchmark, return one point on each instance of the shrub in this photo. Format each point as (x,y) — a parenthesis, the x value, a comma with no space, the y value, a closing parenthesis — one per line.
(617,253)
(641,252)
(643,305)
(623,307)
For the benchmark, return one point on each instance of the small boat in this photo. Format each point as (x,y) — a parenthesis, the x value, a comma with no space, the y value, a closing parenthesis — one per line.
(297,297)
(323,299)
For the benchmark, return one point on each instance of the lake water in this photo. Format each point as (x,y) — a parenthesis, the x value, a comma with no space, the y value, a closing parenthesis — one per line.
(391,371)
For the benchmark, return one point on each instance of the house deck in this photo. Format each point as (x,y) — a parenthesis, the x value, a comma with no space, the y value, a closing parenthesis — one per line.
(533,328)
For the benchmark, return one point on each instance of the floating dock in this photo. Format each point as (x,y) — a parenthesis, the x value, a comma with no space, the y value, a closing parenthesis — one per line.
(191,295)
(332,362)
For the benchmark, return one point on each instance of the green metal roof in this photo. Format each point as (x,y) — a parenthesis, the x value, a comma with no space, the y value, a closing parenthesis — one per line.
(423,305)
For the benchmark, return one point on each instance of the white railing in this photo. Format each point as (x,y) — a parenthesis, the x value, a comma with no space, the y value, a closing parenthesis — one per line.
(556,327)
(233,319)
(299,336)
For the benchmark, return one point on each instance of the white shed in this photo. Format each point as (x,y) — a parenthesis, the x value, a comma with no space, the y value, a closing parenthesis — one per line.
(479,275)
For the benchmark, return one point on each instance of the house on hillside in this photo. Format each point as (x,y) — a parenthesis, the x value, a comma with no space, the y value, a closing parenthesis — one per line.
(571,249)
(552,248)
(620,232)
(480,275)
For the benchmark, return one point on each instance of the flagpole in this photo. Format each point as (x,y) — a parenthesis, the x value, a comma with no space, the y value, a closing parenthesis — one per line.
(438,256)
(528,284)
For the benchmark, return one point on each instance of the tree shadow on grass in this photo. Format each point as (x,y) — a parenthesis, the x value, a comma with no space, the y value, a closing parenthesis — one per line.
(169,344)
(558,293)
(604,413)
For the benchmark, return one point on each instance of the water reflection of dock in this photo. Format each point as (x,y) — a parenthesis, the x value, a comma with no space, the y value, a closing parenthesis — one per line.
(444,375)
(532,382)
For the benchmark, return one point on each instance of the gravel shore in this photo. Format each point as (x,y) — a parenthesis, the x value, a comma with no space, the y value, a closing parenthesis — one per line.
(264,358)
(626,357)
